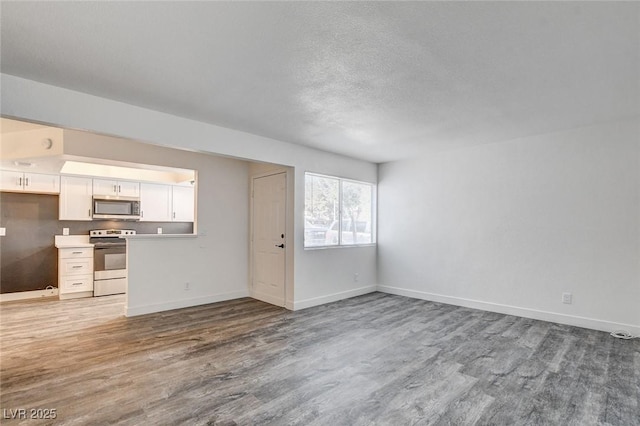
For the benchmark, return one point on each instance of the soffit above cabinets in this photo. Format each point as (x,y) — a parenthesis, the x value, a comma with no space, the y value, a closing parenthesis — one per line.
(36,148)
(138,172)
(12,126)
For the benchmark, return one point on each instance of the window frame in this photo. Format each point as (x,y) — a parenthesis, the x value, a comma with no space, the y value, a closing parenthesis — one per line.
(374,210)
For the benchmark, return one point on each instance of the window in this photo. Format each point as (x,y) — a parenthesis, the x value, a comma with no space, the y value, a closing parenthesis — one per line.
(338,212)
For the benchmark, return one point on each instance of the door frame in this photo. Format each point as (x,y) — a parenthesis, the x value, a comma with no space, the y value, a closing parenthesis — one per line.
(289,240)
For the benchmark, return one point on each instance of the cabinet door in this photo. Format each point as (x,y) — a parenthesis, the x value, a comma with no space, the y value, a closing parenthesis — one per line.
(155,202)
(105,187)
(75,198)
(128,189)
(75,283)
(11,181)
(75,253)
(183,204)
(68,267)
(37,182)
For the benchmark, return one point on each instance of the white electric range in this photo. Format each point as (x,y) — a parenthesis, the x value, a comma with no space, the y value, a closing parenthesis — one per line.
(109,261)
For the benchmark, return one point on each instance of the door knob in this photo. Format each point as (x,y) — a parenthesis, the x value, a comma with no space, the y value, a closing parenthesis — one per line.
(280,245)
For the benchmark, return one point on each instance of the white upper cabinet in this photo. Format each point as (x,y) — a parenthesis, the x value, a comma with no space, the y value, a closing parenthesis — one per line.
(11,181)
(75,198)
(115,188)
(29,182)
(166,203)
(37,182)
(183,204)
(155,202)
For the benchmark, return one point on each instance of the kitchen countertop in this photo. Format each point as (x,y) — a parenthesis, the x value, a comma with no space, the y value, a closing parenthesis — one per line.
(156,236)
(72,241)
(74,245)
(82,241)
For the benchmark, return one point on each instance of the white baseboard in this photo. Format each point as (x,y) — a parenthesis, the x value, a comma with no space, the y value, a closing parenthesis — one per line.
(334,297)
(131,311)
(577,321)
(22,295)
(278,301)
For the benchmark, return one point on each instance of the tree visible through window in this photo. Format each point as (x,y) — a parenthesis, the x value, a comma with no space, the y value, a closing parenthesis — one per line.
(338,212)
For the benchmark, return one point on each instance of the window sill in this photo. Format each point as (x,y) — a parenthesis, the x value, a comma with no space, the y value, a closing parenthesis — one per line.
(340,247)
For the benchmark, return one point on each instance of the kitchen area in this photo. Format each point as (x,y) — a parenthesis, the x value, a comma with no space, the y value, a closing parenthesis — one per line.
(63,217)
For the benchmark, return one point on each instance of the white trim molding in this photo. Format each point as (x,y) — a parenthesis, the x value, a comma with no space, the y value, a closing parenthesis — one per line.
(577,321)
(132,311)
(22,295)
(263,297)
(334,297)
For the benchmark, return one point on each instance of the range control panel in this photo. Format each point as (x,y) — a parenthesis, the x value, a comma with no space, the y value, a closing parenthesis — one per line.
(111,232)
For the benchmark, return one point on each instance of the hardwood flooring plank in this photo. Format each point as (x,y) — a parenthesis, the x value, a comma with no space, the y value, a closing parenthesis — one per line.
(376,359)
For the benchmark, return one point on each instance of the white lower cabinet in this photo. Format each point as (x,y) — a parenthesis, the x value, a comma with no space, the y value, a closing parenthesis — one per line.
(75,284)
(75,272)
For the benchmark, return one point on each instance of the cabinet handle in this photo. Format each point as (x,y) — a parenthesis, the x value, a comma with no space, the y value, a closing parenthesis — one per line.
(141,213)
(20,181)
(26,181)
(119,188)
(89,214)
(76,252)
(76,284)
(115,188)
(174,215)
(77,266)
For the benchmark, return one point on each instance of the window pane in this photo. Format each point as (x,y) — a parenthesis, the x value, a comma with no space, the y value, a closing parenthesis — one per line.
(321,211)
(356,213)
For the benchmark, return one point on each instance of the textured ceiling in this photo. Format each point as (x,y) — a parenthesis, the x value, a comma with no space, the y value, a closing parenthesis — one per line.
(373,80)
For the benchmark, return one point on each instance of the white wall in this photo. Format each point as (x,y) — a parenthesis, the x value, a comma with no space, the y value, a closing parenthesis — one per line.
(509,227)
(30,100)
(328,274)
(159,268)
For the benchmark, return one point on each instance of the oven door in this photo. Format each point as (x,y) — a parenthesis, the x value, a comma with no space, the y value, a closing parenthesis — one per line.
(110,261)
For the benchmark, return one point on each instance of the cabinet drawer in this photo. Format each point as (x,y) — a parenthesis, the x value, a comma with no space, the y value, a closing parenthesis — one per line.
(72,253)
(76,266)
(76,283)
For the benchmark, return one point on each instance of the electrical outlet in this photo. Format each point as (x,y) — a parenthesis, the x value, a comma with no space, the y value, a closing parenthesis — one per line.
(3,232)
(566,298)
(186,286)
(159,230)
(356,277)
(65,231)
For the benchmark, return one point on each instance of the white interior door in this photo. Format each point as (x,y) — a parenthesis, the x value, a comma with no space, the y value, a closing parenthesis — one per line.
(269,207)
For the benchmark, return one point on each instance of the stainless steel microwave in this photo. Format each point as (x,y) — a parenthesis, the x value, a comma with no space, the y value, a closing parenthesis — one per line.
(120,208)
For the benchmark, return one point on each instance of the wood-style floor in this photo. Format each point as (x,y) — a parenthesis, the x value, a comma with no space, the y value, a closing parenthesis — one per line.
(376,359)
